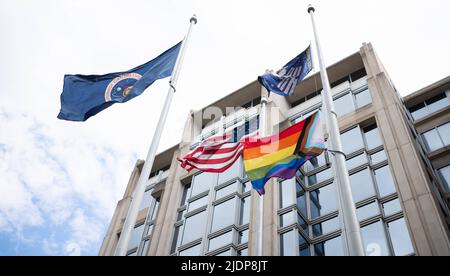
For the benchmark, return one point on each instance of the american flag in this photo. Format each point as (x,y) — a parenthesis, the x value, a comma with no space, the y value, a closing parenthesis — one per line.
(216,154)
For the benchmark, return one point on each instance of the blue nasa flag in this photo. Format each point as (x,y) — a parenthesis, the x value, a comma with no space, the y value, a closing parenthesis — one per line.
(285,80)
(86,95)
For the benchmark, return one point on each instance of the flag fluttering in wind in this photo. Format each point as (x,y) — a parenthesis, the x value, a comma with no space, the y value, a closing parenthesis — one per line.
(283,154)
(284,81)
(218,153)
(86,95)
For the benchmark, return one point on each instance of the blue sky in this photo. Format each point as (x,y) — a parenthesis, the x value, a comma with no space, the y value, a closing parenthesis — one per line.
(60,181)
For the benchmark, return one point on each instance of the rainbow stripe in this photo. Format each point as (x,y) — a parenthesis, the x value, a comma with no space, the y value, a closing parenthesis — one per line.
(283,154)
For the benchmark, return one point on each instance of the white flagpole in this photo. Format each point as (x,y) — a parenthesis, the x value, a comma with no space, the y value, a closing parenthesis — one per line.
(351,230)
(262,130)
(138,193)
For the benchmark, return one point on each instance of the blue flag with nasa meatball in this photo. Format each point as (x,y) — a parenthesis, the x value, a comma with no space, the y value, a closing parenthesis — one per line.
(84,96)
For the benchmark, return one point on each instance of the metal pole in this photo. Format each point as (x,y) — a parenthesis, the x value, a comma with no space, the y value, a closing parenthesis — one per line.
(138,193)
(351,230)
(262,130)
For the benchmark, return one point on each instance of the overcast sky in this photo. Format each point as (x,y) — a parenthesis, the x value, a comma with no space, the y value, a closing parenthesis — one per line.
(60,181)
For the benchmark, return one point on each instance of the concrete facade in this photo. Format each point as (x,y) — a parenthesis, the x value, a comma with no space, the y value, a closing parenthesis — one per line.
(423,206)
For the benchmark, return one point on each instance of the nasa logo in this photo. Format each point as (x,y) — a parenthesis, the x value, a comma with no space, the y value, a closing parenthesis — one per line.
(121,86)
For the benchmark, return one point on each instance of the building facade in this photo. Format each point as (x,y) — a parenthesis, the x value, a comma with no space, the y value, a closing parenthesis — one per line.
(397,154)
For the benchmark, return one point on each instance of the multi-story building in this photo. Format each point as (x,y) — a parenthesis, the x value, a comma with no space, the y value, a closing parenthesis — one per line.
(397,156)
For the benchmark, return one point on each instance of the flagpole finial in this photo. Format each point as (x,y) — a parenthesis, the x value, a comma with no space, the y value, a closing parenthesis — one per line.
(193,19)
(311,8)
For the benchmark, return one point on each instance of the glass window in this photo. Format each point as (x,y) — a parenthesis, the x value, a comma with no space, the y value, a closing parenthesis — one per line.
(186,194)
(385,182)
(368,211)
(243,236)
(344,105)
(302,222)
(149,230)
(176,239)
(224,214)
(198,203)
(232,172)
(401,240)
(245,210)
(444,131)
(136,236)
(378,157)
(326,227)
(315,163)
(155,210)
(202,182)
(227,190)
(301,200)
(192,251)
(437,103)
(373,137)
(374,239)
(363,98)
(445,176)
(320,176)
(226,253)
(357,161)
(288,219)
(352,140)
(323,201)
(432,140)
(392,207)
(362,186)
(333,247)
(288,244)
(418,111)
(287,193)
(145,248)
(195,227)
(146,200)
(220,241)
(247,186)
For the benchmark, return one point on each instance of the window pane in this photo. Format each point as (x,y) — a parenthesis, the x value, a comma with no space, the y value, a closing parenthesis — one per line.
(198,203)
(444,131)
(432,140)
(326,227)
(146,200)
(245,210)
(301,203)
(149,230)
(302,222)
(243,252)
(220,241)
(315,163)
(392,207)
(195,227)
(363,98)
(400,238)
(176,239)
(357,161)
(287,247)
(288,219)
(385,182)
(226,253)
(145,248)
(373,138)
(287,193)
(437,103)
(419,111)
(323,201)
(136,236)
(186,194)
(374,239)
(247,186)
(202,182)
(445,176)
(320,177)
(333,247)
(234,171)
(344,105)
(362,186)
(378,157)
(368,211)
(155,209)
(224,214)
(243,236)
(352,140)
(192,251)
(227,190)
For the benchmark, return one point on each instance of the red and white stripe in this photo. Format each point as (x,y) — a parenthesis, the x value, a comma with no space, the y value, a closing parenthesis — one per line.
(214,155)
